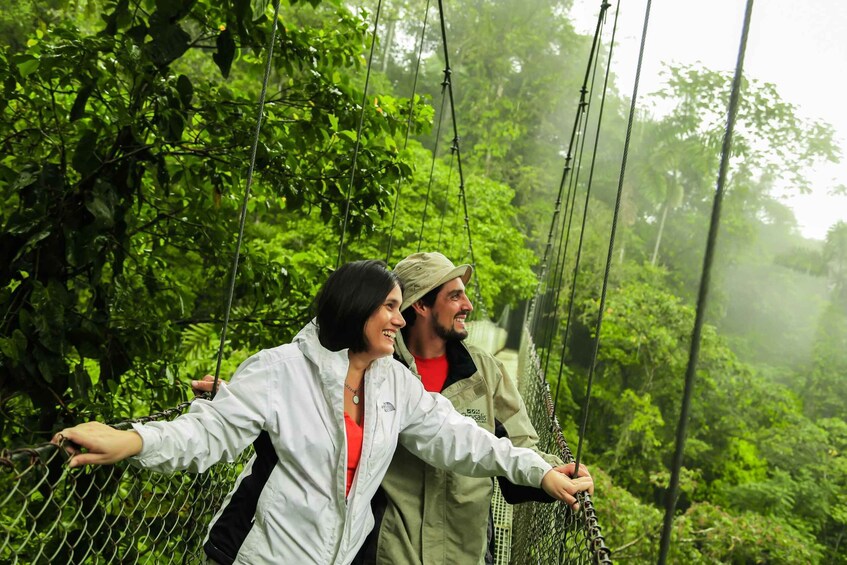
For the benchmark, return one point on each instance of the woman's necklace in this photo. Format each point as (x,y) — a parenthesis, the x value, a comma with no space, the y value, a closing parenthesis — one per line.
(355,392)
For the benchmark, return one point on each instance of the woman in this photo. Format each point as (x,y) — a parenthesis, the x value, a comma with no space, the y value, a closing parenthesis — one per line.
(327,412)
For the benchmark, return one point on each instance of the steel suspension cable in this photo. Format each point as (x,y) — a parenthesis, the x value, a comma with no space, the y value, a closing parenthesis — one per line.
(446,200)
(358,143)
(585,210)
(456,228)
(682,426)
(548,330)
(543,335)
(434,158)
(249,184)
(599,324)
(457,220)
(562,242)
(447,73)
(408,130)
(534,309)
(564,238)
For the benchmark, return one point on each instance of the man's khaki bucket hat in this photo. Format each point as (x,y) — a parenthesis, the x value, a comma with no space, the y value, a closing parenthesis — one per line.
(421,272)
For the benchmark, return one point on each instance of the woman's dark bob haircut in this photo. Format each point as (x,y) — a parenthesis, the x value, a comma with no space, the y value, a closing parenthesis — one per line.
(346,301)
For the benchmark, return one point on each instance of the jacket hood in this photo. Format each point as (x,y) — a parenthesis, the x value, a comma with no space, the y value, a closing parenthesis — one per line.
(307,341)
(328,362)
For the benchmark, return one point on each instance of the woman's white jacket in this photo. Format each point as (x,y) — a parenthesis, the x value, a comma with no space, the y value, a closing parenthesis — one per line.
(295,393)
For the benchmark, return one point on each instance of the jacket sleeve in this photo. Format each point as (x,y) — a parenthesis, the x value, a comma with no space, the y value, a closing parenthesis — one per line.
(512,421)
(211,430)
(436,433)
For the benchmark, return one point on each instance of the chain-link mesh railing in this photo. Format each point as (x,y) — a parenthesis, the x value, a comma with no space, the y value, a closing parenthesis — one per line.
(551,533)
(109,514)
(124,514)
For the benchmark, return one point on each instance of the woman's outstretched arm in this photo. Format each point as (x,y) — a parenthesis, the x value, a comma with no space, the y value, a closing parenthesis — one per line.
(103,444)
(209,432)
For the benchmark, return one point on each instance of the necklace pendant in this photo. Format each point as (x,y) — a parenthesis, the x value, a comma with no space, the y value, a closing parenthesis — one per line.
(356,399)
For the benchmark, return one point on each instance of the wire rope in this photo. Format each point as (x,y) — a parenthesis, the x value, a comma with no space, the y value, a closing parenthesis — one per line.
(447,73)
(408,130)
(446,204)
(702,297)
(535,309)
(585,207)
(249,184)
(457,222)
(570,207)
(544,313)
(561,244)
(433,161)
(358,143)
(599,324)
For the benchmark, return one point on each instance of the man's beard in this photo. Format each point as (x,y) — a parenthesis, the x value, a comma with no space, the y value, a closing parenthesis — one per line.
(448,333)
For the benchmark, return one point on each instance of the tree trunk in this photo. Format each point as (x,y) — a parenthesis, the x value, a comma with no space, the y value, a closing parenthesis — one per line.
(386,49)
(659,235)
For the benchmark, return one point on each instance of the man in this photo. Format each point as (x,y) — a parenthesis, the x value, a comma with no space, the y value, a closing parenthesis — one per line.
(424,514)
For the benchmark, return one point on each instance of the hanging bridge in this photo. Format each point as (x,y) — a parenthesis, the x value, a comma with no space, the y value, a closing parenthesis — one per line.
(124,514)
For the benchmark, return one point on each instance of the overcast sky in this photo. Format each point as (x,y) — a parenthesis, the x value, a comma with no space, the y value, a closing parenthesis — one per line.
(801,47)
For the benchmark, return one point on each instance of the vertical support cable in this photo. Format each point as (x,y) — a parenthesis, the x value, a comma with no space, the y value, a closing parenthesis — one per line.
(585,212)
(535,308)
(570,207)
(682,426)
(243,217)
(438,245)
(551,328)
(408,131)
(447,73)
(434,158)
(599,325)
(358,143)
(563,241)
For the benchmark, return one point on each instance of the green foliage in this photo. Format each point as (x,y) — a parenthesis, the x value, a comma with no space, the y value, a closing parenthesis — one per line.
(515,81)
(802,259)
(776,475)
(769,135)
(637,433)
(630,525)
(705,533)
(503,261)
(756,328)
(121,180)
(835,256)
(19,19)
(708,534)
(675,162)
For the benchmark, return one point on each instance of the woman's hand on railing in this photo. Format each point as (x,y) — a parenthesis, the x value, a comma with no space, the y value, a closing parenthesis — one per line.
(102,444)
(559,484)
